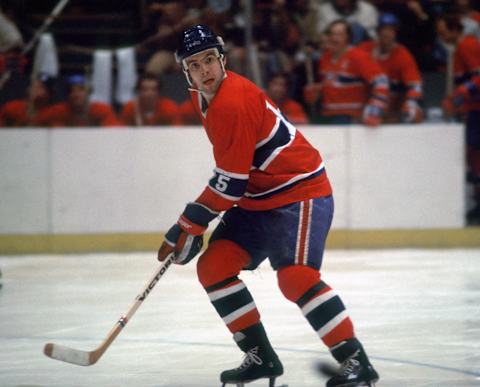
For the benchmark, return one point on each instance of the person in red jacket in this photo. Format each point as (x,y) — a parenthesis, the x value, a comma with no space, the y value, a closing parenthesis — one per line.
(28,111)
(77,110)
(188,115)
(149,108)
(406,92)
(277,90)
(275,193)
(353,87)
(465,98)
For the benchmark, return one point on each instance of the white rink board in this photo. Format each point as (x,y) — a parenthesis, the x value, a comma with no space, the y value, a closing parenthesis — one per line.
(121,180)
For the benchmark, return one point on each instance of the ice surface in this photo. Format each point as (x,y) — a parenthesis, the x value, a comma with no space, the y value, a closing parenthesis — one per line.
(417,313)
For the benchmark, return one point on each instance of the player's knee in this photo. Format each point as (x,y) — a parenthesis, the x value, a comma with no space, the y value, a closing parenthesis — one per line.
(222,259)
(295,280)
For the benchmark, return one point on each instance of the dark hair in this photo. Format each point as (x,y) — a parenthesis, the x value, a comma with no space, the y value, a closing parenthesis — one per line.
(452,21)
(279,74)
(148,77)
(348,28)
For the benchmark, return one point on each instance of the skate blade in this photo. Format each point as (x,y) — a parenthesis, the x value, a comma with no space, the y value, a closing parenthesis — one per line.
(271,383)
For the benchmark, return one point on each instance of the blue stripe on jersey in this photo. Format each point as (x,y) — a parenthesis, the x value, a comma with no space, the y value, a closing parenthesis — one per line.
(268,194)
(281,137)
(230,186)
(349,79)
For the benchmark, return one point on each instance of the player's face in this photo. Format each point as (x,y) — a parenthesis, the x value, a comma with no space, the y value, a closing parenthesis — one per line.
(277,89)
(206,71)
(78,96)
(38,91)
(148,91)
(387,35)
(443,32)
(337,38)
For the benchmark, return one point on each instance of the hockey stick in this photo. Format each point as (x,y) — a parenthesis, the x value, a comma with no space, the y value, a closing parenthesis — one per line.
(26,49)
(84,358)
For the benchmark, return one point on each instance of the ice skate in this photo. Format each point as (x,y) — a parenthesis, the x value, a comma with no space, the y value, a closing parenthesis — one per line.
(260,360)
(355,371)
(256,365)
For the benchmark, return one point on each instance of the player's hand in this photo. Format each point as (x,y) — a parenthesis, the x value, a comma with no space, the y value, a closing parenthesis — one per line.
(448,108)
(411,112)
(185,238)
(462,93)
(372,115)
(185,246)
(312,92)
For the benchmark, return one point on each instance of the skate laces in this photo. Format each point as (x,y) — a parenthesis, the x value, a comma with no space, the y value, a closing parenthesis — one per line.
(251,357)
(349,365)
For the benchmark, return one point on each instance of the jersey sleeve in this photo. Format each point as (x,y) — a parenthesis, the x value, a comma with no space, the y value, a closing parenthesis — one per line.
(372,73)
(127,116)
(103,115)
(233,137)
(411,76)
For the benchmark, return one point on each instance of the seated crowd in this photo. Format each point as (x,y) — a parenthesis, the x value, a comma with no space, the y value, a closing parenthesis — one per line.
(330,61)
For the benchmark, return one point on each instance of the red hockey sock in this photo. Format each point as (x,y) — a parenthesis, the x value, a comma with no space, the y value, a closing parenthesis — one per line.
(321,306)
(218,270)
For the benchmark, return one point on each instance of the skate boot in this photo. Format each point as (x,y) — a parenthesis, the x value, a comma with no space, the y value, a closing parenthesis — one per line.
(355,370)
(260,360)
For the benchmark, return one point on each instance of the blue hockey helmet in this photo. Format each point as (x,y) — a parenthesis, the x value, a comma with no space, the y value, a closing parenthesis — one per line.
(197,39)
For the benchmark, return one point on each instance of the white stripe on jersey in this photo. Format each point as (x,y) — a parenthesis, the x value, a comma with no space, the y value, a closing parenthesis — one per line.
(291,181)
(242,176)
(225,196)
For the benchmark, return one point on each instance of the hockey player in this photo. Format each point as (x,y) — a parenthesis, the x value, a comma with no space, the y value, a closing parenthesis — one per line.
(28,111)
(465,97)
(150,108)
(353,87)
(278,203)
(403,74)
(277,90)
(77,110)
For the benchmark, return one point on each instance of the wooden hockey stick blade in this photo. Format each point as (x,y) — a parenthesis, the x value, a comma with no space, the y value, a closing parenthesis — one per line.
(85,358)
(79,357)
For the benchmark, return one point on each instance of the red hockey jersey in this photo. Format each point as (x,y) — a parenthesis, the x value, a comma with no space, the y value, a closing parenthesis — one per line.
(262,160)
(166,112)
(402,71)
(17,113)
(466,65)
(351,81)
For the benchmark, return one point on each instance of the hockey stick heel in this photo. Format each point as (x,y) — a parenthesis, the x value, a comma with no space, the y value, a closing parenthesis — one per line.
(84,358)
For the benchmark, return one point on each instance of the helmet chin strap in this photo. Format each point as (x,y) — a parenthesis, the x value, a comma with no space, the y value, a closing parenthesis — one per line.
(189,78)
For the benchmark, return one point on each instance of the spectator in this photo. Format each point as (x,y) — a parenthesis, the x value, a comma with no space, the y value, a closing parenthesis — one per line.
(360,14)
(11,43)
(465,97)
(28,111)
(277,90)
(470,17)
(77,111)
(188,115)
(417,30)
(149,108)
(353,87)
(402,71)
(171,18)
